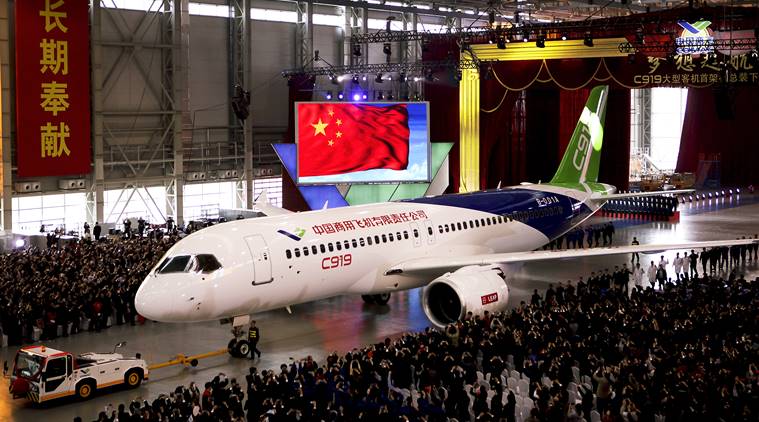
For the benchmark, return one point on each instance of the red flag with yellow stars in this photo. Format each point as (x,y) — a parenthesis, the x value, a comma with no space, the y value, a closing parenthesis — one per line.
(336,138)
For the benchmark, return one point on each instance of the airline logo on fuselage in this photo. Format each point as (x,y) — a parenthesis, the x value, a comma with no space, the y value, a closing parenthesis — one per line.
(489,298)
(583,144)
(297,235)
(363,223)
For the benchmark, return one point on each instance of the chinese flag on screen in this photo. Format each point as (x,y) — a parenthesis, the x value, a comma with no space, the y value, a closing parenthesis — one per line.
(344,138)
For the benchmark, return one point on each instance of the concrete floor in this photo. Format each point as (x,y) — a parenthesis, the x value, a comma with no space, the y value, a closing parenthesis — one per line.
(343,323)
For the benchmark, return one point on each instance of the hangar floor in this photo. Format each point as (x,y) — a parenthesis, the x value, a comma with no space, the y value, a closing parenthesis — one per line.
(344,323)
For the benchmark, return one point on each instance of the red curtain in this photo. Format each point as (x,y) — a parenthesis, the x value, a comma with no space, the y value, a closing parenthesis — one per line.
(732,139)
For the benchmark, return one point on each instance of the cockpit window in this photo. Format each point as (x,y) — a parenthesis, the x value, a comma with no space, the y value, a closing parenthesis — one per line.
(177,264)
(207,263)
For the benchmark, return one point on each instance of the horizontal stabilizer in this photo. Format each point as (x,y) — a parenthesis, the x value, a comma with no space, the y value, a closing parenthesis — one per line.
(263,205)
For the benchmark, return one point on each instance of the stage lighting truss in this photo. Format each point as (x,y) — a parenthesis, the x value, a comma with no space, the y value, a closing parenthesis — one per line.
(670,47)
(415,68)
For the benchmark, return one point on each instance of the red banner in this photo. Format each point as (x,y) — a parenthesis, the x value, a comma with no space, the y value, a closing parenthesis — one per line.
(336,138)
(52,87)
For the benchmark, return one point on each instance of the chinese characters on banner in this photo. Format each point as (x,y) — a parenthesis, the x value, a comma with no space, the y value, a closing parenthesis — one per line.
(52,87)
(698,70)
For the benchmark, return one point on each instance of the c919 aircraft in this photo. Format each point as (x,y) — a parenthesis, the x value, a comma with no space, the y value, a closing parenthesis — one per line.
(456,246)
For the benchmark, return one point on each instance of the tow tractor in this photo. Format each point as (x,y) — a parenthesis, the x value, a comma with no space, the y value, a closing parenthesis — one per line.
(42,373)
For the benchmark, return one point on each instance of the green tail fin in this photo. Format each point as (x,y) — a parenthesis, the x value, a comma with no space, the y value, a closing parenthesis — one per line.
(583,154)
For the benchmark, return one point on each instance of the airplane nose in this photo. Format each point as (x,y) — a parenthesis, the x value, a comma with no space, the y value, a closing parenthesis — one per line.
(154,299)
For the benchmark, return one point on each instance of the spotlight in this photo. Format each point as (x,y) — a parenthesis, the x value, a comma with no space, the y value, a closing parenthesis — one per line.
(737,190)
(723,193)
(329,95)
(541,41)
(340,96)
(333,79)
(502,43)
(710,195)
(356,96)
(564,36)
(402,77)
(490,39)
(378,79)
(355,79)
(417,79)
(363,78)
(20,243)
(357,50)
(387,49)
(731,191)
(364,95)
(341,78)
(390,96)
(690,198)
(525,36)
(588,41)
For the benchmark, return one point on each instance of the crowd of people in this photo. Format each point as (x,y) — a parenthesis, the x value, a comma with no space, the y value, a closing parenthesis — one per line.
(581,237)
(687,349)
(56,289)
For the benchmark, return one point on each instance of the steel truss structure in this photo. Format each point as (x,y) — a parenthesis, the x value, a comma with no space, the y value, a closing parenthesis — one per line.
(418,67)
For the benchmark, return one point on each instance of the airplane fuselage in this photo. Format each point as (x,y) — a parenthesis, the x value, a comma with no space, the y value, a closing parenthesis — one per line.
(274,262)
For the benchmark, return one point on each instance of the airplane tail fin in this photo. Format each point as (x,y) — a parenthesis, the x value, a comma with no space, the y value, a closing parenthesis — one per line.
(583,154)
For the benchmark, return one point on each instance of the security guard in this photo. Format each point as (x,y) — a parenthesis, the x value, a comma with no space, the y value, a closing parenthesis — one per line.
(253,336)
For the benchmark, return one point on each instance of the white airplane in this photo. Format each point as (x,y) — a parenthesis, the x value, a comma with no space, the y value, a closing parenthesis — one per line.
(457,246)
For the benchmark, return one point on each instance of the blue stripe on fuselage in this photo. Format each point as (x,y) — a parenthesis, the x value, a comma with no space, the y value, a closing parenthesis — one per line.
(521,204)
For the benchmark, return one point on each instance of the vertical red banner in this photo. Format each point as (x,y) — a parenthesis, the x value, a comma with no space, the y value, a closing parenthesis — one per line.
(52,87)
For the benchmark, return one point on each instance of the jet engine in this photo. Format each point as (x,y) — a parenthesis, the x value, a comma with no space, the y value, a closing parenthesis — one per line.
(473,289)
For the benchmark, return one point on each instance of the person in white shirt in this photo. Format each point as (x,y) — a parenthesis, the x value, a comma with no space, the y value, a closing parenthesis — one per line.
(663,262)
(651,274)
(678,265)
(637,278)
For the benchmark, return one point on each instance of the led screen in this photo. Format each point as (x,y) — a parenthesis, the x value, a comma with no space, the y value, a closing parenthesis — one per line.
(362,142)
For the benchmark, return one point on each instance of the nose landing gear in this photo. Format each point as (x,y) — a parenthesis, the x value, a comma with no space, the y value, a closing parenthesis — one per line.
(380,299)
(238,347)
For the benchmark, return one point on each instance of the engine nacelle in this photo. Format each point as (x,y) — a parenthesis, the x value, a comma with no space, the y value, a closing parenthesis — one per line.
(474,289)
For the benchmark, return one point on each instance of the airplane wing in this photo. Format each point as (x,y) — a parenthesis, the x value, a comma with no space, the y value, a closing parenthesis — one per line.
(263,205)
(442,264)
(639,194)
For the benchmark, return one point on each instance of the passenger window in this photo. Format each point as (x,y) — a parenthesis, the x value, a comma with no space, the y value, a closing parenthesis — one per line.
(376,239)
(405,235)
(482,221)
(288,254)
(338,246)
(416,233)
(347,244)
(384,239)
(305,251)
(446,228)
(440,228)
(314,250)
(361,242)
(458,225)
(390,236)
(477,223)
(429,230)
(355,244)
(398,235)
(369,241)
(322,248)
(297,253)
(329,246)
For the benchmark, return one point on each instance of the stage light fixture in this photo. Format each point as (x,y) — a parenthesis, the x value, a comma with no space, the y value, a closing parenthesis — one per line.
(387,49)
(564,36)
(356,96)
(417,79)
(402,77)
(525,36)
(378,79)
(379,95)
(588,41)
(329,95)
(541,41)
(355,79)
(364,95)
(340,96)
(363,78)
(389,96)
(501,43)
(333,79)
(737,190)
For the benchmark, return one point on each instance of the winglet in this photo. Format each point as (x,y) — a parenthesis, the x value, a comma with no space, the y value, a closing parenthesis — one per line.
(262,203)
(583,154)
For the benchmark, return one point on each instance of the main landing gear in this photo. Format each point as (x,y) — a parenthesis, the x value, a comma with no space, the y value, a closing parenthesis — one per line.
(380,299)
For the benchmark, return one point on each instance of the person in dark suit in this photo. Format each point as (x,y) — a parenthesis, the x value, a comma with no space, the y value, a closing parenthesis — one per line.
(96,231)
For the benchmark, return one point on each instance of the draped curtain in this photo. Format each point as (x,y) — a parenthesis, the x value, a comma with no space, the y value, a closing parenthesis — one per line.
(732,140)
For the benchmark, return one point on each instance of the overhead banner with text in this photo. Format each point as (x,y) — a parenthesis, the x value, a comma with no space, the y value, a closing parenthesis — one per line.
(52,87)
